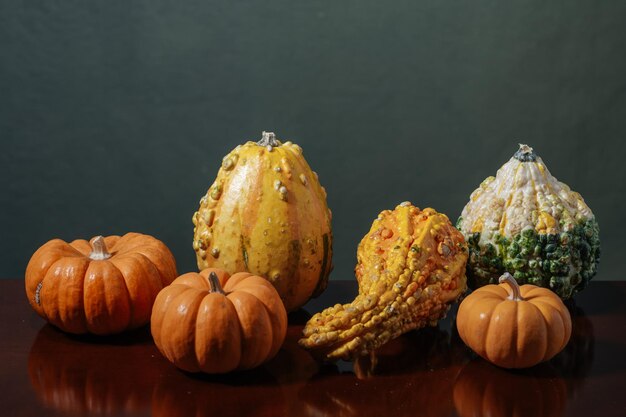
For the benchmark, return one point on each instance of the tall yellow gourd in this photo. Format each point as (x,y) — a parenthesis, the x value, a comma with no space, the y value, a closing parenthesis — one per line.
(266,214)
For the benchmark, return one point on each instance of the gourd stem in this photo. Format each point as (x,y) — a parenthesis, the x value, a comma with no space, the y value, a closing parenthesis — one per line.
(515,295)
(214,283)
(99,251)
(268,139)
(525,154)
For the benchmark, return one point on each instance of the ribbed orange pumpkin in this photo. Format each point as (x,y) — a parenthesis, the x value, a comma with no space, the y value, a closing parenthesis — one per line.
(103,287)
(519,329)
(216,323)
(266,214)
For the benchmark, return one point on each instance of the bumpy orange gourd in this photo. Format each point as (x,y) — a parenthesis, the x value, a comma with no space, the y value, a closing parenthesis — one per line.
(104,286)
(266,213)
(411,268)
(215,323)
(513,326)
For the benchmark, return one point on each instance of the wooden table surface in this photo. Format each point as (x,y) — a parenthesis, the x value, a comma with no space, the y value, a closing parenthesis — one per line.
(44,372)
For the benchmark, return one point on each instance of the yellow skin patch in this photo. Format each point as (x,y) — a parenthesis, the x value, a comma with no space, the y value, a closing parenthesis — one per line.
(411,267)
(546,224)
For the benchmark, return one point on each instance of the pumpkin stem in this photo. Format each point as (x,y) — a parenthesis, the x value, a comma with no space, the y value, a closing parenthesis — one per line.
(214,283)
(515,295)
(268,139)
(525,154)
(99,251)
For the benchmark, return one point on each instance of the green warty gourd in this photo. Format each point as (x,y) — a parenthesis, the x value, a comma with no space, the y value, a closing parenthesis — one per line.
(525,222)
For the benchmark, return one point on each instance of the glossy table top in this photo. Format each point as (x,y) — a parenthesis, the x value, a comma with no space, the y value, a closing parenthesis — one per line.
(430,372)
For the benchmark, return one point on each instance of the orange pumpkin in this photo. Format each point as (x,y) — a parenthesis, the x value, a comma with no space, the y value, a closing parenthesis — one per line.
(215,323)
(104,286)
(513,326)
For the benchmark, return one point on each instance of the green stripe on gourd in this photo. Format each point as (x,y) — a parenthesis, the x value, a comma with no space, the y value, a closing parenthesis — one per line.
(322,282)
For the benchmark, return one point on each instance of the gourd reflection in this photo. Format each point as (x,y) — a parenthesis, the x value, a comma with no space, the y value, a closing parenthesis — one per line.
(411,375)
(429,372)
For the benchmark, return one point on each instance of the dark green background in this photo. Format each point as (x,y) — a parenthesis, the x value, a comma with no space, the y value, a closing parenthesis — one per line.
(114,117)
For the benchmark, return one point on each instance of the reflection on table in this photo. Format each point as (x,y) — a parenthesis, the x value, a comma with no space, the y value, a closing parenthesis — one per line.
(85,375)
(429,372)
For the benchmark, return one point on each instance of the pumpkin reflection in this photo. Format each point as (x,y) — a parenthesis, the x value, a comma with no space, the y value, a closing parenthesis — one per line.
(411,375)
(184,395)
(483,389)
(94,375)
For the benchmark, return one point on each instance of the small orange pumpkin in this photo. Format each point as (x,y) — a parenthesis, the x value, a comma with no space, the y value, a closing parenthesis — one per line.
(104,286)
(216,323)
(515,328)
